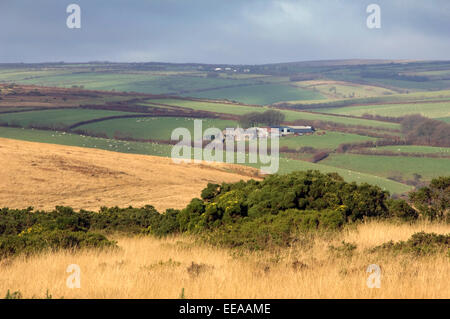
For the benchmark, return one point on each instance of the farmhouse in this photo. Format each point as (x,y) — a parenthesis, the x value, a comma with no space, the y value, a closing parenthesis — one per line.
(239,134)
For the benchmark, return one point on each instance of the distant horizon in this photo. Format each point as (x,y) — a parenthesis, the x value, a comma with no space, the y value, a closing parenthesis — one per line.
(374,61)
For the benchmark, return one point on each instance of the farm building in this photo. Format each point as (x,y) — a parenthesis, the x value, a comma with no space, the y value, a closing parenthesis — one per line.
(239,134)
(297,130)
(302,129)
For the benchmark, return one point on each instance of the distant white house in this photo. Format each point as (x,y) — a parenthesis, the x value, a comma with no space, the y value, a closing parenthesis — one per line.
(218,69)
(239,134)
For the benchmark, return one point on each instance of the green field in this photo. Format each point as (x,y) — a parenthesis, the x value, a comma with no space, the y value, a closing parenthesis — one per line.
(390,166)
(320,87)
(286,165)
(62,138)
(260,94)
(60,117)
(210,106)
(342,90)
(143,82)
(290,114)
(330,140)
(433,110)
(156,128)
(297,115)
(414,149)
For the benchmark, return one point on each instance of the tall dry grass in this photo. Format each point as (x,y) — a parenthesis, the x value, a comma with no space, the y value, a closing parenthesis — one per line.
(146,267)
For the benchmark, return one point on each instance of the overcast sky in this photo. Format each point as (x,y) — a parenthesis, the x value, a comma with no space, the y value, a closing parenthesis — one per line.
(222,31)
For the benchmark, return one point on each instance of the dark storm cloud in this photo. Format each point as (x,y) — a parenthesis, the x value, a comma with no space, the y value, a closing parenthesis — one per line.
(223,31)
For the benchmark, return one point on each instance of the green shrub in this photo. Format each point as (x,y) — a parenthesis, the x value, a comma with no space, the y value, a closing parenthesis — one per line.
(309,190)
(433,201)
(164,224)
(190,216)
(343,250)
(418,244)
(13,295)
(128,220)
(274,230)
(210,191)
(37,239)
(399,208)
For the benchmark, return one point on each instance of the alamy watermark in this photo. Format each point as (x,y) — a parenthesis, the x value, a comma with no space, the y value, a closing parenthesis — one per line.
(74,19)
(232,145)
(74,279)
(374,279)
(374,19)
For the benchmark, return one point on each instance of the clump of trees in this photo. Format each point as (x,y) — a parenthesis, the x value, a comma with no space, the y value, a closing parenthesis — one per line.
(433,201)
(424,131)
(266,118)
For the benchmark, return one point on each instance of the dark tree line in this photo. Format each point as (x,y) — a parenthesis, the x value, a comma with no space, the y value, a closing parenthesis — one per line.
(420,130)
(269,118)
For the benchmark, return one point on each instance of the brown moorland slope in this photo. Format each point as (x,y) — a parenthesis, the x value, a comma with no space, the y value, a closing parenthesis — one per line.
(46,175)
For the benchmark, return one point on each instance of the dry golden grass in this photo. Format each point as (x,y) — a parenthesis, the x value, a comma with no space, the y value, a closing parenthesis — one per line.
(141,269)
(47,175)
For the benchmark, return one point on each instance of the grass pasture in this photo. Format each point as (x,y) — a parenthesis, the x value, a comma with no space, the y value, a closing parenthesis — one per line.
(291,115)
(60,117)
(391,166)
(343,90)
(62,138)
(225,108)
(329,140)
(432,110)
(414,149)
(350,175)
(263,94)
(142,82)
(286,165)
(300,115)
(156,128)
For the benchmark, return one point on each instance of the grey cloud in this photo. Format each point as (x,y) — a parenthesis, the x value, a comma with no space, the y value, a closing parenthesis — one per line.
(222,31)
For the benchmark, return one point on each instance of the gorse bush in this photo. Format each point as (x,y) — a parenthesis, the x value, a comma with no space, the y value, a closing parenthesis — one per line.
(433,201)
(299,190)
(418,244)
(251,214)
(33,241)
(128,220)
(400,209)
(28,232)
(256,214)
(274,230)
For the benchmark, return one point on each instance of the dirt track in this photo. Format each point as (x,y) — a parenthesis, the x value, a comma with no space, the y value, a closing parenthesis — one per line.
(46,175)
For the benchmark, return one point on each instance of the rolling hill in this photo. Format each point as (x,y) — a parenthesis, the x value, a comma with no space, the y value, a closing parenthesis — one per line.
(46,175)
